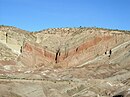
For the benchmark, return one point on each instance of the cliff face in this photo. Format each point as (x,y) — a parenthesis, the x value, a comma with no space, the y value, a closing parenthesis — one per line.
(61,46)
(64,62)
(71,47)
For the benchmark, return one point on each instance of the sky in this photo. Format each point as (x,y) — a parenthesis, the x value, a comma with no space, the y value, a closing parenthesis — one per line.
(35,15)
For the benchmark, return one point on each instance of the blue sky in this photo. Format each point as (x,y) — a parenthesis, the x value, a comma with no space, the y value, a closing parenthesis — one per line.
(34,15)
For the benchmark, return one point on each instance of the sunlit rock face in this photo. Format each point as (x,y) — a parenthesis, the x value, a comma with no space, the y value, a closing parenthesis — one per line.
(64,62)
(72,46)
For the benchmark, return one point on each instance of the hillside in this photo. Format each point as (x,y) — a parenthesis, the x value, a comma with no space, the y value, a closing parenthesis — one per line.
(64,62)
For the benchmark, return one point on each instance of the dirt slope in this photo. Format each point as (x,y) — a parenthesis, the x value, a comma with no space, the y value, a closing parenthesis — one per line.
(64,62)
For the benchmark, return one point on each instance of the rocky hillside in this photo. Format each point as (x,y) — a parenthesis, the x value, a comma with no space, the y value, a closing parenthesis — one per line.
(76,59)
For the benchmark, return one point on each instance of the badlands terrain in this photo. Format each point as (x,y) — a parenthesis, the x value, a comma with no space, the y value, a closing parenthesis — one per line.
(64,62)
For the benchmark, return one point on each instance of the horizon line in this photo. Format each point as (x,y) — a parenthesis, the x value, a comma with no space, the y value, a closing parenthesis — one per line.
(105,28)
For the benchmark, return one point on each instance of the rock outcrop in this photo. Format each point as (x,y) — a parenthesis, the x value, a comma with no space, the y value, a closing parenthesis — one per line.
(64,62)
(61,46)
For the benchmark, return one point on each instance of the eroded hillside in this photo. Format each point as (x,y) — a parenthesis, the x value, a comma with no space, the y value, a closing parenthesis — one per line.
(64,62)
